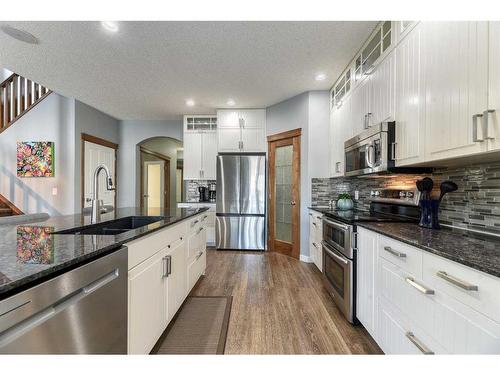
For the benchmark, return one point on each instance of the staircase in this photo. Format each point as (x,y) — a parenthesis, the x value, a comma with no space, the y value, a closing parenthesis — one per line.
(17,96)
(7,208)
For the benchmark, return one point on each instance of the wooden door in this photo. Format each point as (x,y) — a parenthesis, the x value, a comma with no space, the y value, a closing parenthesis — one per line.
(155,190)
(95,154)
(456,79)
(284,193)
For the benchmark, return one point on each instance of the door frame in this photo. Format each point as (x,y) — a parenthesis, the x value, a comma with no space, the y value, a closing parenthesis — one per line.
(143,150)
(295,136)
(102,142)
(145,176)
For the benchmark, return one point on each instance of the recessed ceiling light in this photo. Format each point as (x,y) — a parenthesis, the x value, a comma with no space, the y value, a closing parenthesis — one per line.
(111,26)
(190,102)
(320,77)
(20,35)
(230,102)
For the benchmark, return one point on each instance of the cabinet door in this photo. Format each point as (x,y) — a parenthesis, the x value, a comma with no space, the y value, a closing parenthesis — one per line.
(209,155)
(359,100)
(337,139)
(227,118)
(177,283)
(229,139)
(382,96)
(455,62)
(253,140)
(493,118)
(253,118)
(366,279)
(192,155)
(410,100)
(147,301)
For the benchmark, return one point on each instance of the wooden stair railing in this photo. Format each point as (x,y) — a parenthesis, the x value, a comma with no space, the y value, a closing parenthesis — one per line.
(7,208)
(17,96)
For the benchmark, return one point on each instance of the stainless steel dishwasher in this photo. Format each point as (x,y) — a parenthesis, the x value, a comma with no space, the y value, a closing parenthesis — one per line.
(83,311)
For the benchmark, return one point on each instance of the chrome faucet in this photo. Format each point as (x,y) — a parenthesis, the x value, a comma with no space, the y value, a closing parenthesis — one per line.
(96,204)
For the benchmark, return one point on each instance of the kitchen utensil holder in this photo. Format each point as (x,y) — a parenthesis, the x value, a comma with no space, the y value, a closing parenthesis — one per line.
(429,214)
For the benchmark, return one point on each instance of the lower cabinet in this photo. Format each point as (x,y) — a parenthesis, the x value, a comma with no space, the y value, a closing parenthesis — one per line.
(315,238)
(208,219)
(408,307)
(158,284)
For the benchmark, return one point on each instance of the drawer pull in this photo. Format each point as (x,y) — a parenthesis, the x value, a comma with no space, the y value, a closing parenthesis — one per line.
(199,230)
(314,224)
(314,244)
(457,282)
(394,252)
(194,223)
(424,349)
(199,255)
(420,288)
(319,217)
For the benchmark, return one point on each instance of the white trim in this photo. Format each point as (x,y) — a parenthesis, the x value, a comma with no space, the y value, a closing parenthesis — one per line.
(305,259)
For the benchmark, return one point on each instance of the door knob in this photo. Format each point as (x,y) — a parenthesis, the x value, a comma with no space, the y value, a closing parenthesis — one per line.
(292,203)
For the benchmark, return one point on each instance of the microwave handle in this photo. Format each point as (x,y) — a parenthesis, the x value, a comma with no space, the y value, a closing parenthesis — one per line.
(393,151)
(367,155)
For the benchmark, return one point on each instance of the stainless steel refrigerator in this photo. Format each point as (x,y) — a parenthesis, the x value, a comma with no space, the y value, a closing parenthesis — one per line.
(241,201)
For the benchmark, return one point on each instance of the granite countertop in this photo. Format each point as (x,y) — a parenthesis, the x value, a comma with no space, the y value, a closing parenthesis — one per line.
(31,253)
(478,251)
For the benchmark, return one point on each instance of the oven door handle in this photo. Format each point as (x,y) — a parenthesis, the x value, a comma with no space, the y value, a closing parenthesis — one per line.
(337,225)
(337,257)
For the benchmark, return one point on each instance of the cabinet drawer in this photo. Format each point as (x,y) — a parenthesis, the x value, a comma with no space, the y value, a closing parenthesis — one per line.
(194,224)
(208,218)
(454,326)
(398,335)
(144,247)
(473,288)
(405,256)
(196,242)
(196,269)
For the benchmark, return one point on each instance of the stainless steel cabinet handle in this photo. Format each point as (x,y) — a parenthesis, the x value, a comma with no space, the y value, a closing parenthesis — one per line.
(315,224)
(486,124)
(319,217)
(424,349)
(194,223)
(475,137)
(199,230)
(365,123)
(457,282)
(337,167)
(315,245)
(419,287)
(394,252)
(368,116)
(169,264)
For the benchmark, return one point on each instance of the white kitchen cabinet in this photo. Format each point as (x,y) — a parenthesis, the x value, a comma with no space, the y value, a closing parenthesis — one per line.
(382,92)
(315,238)
(366,281)
(192,156)
(176,276)
(200,148)
(492,119)
(148,304)
(358,120)
(335,162)
(242,130)
(208,219)
(340,131)
(456,81)
(410,100)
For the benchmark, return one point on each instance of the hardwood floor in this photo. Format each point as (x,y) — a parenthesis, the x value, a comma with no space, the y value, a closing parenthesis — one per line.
(279,306)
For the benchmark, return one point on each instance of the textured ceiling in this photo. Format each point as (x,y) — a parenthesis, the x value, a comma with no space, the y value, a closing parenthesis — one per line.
(148,69)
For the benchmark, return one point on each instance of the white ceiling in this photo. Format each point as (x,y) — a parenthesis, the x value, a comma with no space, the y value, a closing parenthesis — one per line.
(148,69)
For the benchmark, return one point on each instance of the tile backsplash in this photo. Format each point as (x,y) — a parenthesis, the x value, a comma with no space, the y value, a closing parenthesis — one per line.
(475,205)
(191,189)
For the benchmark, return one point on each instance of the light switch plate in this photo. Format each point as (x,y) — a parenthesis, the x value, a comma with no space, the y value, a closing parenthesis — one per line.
(356,194)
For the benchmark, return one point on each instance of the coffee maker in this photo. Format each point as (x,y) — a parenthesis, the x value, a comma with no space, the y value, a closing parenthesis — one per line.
(211,192)
(203,192)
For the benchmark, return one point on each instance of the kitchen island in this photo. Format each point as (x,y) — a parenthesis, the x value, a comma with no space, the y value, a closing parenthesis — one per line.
(133,281)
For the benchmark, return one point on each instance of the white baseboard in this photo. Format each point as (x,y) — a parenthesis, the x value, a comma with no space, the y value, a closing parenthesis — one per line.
(305,259)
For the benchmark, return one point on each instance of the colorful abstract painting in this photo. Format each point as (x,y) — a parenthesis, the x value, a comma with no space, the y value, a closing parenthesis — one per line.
(35,245)
(35,159)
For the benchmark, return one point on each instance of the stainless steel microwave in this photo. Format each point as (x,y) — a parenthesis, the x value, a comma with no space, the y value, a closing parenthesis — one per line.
(374,152)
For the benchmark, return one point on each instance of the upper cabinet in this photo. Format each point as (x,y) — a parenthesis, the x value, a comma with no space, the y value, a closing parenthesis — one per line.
(200,147)
(242,130)
(340,131)
(409,112)
(491,116)
(456,87)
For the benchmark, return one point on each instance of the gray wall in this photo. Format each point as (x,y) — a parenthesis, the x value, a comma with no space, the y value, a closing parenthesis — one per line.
(51,120)
(4,74)
(94,122)
(167,147)
(131,133)
(306,110)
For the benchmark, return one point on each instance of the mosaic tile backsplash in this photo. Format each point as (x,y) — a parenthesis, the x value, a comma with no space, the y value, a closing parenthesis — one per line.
(475,205)
(191,189)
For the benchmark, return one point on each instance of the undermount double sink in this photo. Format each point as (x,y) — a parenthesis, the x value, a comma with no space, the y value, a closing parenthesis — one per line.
(114,227)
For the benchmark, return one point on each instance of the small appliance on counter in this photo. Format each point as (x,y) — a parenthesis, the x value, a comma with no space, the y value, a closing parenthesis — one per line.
(429,213)
(212,192)
(203,192)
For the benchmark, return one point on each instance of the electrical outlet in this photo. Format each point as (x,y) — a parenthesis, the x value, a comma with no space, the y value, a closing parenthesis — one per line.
(54,190)
(356,194)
